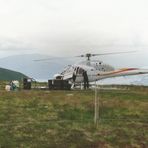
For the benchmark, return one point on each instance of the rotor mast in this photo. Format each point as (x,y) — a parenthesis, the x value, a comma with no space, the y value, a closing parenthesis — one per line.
(88,55)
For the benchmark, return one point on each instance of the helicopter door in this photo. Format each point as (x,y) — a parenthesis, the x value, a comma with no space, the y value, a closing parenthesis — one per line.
(80,74)
(79,71)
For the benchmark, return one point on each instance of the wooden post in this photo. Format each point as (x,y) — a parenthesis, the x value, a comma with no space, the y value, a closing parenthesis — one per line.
(96,110)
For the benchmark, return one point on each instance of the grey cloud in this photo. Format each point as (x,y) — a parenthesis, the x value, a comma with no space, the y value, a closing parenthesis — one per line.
(12,45)
(71,27)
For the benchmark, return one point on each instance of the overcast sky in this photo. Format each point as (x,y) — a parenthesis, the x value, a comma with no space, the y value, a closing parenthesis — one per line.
(73,27)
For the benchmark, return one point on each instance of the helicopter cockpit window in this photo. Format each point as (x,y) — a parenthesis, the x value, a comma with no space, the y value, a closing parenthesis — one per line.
(67,69)
(79,70)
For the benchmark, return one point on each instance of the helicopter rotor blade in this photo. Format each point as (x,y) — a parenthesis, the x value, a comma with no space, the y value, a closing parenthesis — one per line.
(50,59)
(112,53)
(80,56)
(87,55)
(109,53)
(38,60)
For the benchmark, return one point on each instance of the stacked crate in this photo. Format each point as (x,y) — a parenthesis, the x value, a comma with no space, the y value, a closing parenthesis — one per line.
(58,85)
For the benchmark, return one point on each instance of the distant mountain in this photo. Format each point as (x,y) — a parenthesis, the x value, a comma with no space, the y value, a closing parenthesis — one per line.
(6,74)
(40,70)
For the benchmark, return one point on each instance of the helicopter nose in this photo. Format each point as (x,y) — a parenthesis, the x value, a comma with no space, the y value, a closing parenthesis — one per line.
(57,76)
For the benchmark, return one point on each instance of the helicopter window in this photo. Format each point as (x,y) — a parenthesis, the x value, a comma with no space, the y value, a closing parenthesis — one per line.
(103,69)
(80,71)
(77,70)
(67,69)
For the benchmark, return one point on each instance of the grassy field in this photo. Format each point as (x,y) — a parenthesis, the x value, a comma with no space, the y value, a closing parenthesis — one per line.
(53,119)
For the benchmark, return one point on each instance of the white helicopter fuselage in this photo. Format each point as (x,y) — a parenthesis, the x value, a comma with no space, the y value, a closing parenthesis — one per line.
(92,73)
(92,69)
(96,70)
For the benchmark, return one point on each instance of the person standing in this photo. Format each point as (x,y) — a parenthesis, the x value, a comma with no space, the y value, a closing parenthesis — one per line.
(74,76)
(86,82)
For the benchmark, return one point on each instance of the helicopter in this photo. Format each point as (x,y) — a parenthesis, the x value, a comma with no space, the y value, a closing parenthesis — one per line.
(95,70)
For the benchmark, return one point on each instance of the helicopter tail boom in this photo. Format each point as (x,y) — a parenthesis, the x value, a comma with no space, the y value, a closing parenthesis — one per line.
(122,72)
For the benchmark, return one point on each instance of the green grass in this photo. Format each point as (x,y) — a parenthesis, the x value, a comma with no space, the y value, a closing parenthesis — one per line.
(64,119)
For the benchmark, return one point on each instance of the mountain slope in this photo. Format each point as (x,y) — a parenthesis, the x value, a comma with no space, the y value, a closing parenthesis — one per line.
(6,74)
(35,69)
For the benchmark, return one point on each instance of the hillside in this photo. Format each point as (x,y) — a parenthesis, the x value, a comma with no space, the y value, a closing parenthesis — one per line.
(6,74)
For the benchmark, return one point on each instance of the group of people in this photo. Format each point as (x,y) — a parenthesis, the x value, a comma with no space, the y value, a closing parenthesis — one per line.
(85,77)
(12,86)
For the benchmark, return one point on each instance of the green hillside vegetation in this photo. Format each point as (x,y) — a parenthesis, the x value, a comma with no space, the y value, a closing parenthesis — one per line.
(64,119)
(7,75)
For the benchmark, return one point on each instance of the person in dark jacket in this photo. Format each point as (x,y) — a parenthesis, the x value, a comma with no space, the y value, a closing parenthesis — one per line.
(86,82)
(74,77)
